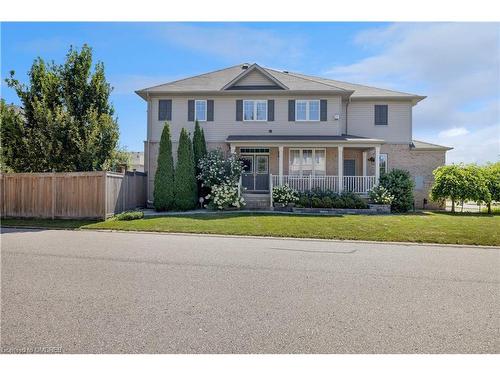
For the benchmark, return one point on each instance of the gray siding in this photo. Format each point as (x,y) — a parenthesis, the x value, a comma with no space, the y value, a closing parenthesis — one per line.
(361,121)
(255,78)
(224,123)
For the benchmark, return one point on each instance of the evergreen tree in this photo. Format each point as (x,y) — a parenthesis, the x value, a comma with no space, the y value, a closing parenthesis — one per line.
(199,151)
(68,122)
(185,189)
(163,194)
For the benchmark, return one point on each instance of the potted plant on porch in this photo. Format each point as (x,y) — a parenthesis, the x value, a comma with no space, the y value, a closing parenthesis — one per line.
(284,198)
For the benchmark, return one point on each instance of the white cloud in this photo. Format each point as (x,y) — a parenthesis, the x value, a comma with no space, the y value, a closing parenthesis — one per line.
(457,65)
(453,132)
(234,42)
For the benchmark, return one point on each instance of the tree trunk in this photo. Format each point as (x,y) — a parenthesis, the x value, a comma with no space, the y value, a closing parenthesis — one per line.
(452,205)
(489,208)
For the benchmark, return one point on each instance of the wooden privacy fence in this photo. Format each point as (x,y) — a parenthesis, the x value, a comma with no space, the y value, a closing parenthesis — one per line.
(71,195)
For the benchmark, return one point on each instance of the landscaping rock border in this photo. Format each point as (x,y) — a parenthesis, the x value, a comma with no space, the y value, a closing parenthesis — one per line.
(373,209)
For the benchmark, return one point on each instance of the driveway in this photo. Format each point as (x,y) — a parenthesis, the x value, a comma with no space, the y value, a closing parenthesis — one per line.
(104,292)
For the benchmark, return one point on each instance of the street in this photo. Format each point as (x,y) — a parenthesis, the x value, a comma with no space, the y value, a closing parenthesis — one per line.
(111,292)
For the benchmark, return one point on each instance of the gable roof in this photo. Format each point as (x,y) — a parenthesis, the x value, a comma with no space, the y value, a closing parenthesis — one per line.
(224,79)
(250,69)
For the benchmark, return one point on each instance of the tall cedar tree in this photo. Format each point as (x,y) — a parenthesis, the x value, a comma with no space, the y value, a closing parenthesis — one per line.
(185,190)
(199,151)
(68,122)
(164,178)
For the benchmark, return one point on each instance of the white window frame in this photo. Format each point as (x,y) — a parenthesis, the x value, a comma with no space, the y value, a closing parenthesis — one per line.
(314,149)
(196,110)
(308,103)
(254,105)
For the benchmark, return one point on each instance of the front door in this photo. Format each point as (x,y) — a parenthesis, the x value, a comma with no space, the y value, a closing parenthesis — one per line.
(255,176)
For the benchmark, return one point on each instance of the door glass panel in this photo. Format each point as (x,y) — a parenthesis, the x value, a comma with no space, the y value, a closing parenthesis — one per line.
(247,164)
(262,164)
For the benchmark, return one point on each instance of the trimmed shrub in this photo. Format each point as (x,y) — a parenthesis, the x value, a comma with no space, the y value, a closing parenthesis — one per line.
(130,215)
(185,189)
(399,184)
(163,194)
(328,199)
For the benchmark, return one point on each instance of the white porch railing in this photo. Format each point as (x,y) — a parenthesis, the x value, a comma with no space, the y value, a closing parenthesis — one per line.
(359,184)
(355,184)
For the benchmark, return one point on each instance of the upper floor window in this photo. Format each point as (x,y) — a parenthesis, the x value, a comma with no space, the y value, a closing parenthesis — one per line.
(164,110)
(307,110)
(254,110)
(381,114)
(200,110)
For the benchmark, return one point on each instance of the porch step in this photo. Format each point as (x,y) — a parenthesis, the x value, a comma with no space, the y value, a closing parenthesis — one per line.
(256,201)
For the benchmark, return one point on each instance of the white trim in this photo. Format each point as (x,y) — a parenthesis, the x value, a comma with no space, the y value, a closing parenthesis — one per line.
(313,149)
(340,166)
(254,101)
(196,110)
(308,104)
(377,164)
(365,154)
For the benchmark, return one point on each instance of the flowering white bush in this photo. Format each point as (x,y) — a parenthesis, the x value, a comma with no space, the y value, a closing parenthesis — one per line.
(225,196)
(285,194)
(380,195)
(216,169)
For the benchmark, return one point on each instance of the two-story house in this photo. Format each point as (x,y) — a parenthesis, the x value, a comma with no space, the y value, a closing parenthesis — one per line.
(296,129)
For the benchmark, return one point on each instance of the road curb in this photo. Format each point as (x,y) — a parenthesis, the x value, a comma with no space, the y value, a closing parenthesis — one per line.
(395,243)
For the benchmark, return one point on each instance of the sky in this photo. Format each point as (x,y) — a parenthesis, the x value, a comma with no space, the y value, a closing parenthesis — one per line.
(456,65)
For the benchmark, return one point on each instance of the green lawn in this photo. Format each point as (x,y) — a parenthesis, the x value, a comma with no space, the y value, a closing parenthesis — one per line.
(473,229)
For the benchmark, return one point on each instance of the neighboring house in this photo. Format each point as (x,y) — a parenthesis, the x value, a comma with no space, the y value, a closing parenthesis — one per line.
(293,128)
(136,161)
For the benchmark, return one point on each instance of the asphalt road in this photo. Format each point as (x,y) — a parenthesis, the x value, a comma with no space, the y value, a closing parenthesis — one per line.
(103,292)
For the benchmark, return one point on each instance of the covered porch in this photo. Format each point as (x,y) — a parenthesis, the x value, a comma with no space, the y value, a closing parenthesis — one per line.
(336,163)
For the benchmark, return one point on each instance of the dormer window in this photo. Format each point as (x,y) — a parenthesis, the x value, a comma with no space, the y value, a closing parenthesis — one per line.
(307,110)
(254,110)
(200,110)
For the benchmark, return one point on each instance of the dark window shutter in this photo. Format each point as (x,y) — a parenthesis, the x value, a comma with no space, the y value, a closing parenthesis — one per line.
(239,110)
(210,110)
(270,110)
(169,110)
(291,110)
(323,110)
(190,110)
(381,114)
(163,107)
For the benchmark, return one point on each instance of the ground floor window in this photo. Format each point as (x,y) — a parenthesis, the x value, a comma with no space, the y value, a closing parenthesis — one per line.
(383,163)
(306,162)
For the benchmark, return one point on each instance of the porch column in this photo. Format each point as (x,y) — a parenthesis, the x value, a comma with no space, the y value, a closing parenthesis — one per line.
(233,149)
(364,163)
(280,164)
(341,167)
(377,164)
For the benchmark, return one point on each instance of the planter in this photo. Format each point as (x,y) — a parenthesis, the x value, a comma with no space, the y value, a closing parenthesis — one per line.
(283,208)
(381,208)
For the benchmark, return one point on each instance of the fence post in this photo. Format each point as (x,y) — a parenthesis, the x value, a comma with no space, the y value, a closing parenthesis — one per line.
(53,195)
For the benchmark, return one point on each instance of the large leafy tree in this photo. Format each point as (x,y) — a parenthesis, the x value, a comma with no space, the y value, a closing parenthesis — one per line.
(185,190)
(164,178)
(68,122)
(448,181)
(492,177)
